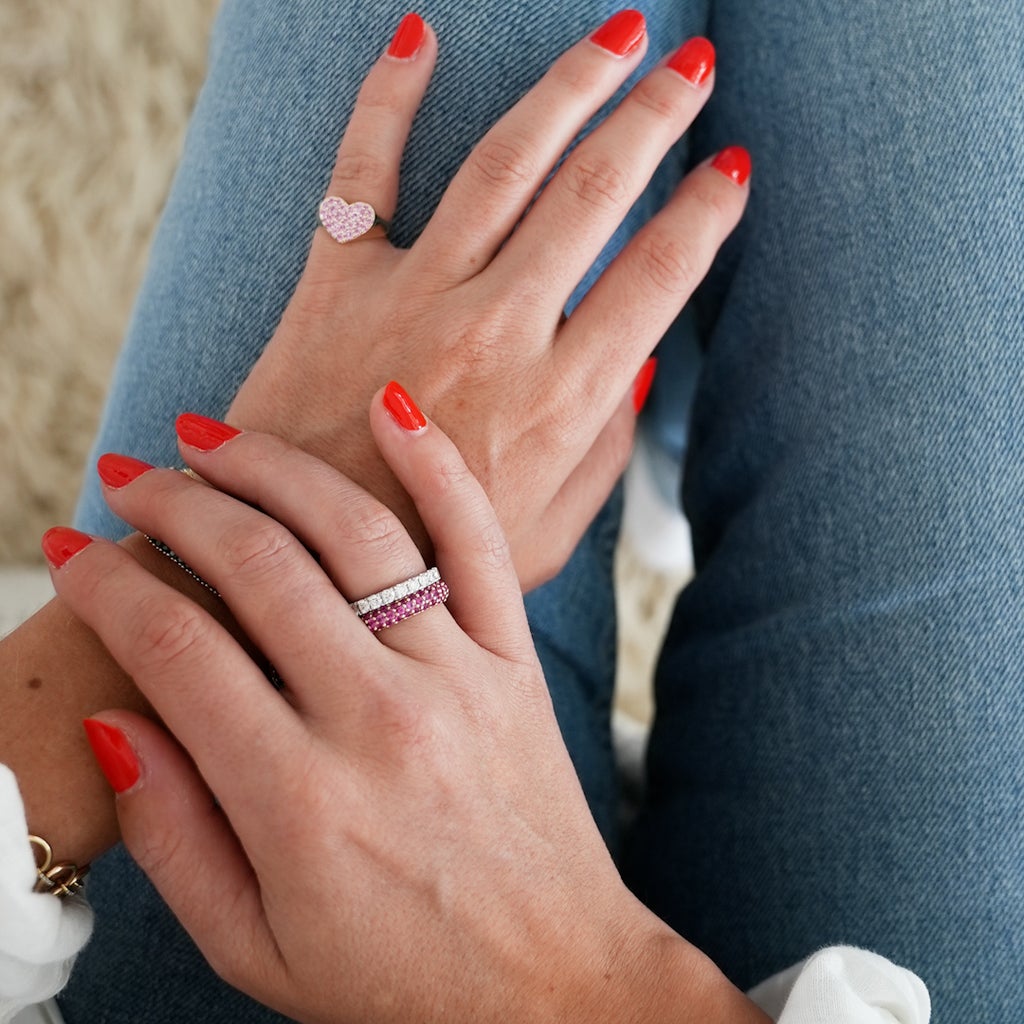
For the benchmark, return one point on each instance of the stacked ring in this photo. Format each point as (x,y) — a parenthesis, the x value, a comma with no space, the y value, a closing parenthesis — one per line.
(394,604)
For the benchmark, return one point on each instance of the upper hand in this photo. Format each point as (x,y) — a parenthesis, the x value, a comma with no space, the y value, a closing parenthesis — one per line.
(471,317)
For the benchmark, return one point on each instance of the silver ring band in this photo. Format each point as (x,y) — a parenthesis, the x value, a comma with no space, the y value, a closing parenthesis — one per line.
(396,593)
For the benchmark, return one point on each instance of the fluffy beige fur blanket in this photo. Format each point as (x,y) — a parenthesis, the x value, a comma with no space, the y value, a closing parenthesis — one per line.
(94,95)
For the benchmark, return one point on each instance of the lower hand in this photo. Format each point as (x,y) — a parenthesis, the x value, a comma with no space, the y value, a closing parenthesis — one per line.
(398,834)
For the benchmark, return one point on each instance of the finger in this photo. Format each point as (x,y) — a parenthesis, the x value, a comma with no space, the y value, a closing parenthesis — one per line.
(604,176)
(637,298)
(173,828)
(361,545)
(199,681)
(469,544)
(366,169)
(584,493)
(510,163)
(268,579)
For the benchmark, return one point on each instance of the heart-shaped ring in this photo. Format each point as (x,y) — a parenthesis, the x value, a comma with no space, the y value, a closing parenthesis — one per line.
(346,222)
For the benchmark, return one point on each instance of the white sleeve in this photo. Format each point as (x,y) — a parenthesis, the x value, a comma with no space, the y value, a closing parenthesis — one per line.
(843,985)
(40,935)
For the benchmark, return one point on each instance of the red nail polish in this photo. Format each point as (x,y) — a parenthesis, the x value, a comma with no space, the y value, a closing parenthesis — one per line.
(62,543)
(119,470)
(694,60)
(622,33)
(408,37)
(402,408)
(203,433)
(734,163)
(113,753)
(642,384)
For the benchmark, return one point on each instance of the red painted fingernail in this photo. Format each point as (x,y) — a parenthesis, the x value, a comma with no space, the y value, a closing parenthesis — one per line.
(622,33)
(734,163)
(113,753)
(694,60)
(408,37)
(642,384)
(118,470)
(402,408)
(62,543)
(203,433)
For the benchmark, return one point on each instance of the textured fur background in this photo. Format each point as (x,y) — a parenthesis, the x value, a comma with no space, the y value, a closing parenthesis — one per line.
(94,98)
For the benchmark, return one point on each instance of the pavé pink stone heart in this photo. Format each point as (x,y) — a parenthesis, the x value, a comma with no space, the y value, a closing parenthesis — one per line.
(344,222)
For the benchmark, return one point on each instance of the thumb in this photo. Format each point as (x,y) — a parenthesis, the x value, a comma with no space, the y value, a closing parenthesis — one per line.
(173,828)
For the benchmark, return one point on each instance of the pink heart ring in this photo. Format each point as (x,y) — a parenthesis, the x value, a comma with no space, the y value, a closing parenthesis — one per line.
(345,222)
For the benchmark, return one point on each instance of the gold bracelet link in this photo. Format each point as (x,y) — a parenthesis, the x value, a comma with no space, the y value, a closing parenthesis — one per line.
(59,879)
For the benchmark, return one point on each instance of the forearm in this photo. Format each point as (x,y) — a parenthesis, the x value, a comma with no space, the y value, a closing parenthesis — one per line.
(54,673)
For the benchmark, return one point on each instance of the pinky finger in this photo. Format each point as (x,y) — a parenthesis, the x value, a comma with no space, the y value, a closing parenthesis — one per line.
(470,546)
(584,492)
(177,834)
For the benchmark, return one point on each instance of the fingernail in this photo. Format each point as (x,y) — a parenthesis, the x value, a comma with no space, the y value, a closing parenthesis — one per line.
(642,384)
(622,33)
(408,37)
(694,60)
(734,163)
(402,408)
(113,753)
(118,470)
(62,543)
(202,433)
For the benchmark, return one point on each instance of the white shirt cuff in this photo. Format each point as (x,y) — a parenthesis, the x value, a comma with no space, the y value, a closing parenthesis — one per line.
(40,935)
(843,985)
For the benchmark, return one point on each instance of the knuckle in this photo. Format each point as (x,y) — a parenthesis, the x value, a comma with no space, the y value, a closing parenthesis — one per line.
(492,548)
(502,163)
(358,167)
(257,552)
(169,633)
(378,526)
(576,77)
(652,95)
(667,263)
(450,476)
(475,344)
(597,182)
(713,208)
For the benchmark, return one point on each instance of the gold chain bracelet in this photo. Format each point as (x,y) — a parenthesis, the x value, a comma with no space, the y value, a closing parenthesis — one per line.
(61,879)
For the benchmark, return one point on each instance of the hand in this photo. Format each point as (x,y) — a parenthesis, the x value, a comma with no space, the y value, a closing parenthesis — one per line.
(471,317)
(398,835)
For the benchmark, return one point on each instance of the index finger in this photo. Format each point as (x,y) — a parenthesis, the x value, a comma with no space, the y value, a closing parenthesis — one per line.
(199,680)
(508,166)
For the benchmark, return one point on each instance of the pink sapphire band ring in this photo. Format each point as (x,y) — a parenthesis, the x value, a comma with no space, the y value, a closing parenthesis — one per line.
(410,597)
(406,607)
(345,222)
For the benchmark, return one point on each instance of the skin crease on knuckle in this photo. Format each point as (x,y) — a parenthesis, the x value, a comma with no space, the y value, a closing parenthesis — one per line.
(352,168)
(597,181)
(170,635)
(257,552)
(666,263)
(503,162)
(578,74)
(380,530)
(661,97)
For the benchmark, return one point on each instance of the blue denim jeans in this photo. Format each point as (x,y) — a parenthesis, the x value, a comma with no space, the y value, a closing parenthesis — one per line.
(837,755)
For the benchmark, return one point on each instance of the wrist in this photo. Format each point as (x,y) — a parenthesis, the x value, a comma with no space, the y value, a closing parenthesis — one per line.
(652,975)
